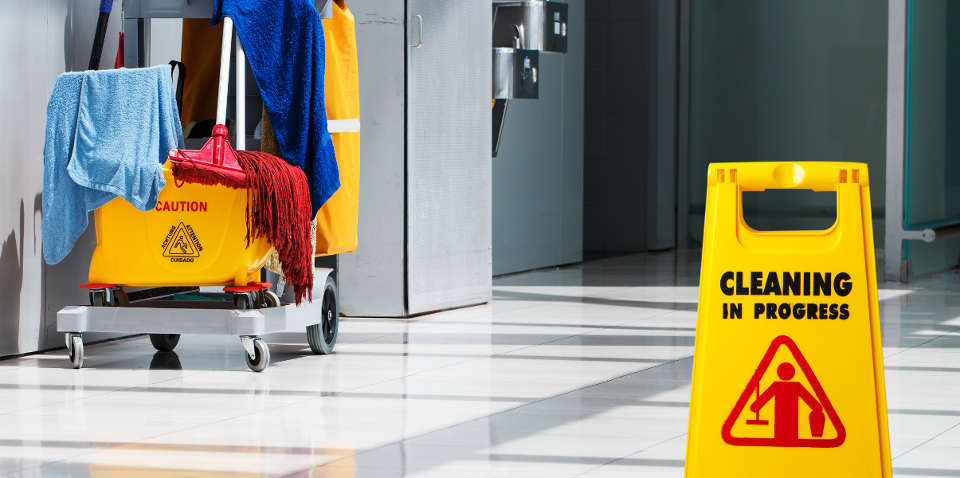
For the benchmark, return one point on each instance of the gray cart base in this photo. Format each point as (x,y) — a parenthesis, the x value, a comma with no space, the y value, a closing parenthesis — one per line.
(319,318)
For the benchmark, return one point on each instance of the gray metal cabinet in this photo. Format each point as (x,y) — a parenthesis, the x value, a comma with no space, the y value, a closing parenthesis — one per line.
(448,154)
(425,161)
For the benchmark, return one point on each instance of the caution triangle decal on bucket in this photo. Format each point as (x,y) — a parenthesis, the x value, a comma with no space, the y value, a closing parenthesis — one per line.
(788,367)
(179,243)
(793,382)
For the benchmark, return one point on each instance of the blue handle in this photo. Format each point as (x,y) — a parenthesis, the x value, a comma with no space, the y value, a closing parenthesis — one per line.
(106,6)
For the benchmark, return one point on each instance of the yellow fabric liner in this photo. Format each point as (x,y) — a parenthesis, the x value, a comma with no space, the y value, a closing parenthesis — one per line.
(337,219)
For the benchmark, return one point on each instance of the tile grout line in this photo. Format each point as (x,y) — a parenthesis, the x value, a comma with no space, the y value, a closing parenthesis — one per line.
(194,427)
(86,396)
(269,409)
(955,425)
(506,410)
(659,314)
(151,437)
(614,460)
(510,351)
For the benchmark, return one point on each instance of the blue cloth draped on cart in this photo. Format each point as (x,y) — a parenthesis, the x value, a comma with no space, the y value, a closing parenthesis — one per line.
(108,134)
(283,40)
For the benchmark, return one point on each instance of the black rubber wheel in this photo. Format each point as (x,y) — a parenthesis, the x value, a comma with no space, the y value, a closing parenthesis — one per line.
(75,350)
(109,298)
(120,298)
(261,356)
(165,361)
(241,301)
(164,342)
(98,298)
(322,337)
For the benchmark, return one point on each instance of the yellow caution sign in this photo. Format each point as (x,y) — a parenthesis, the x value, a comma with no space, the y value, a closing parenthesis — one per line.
(787,368)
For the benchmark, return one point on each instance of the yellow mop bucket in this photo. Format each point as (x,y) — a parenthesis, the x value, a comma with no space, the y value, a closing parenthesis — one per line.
(195,236)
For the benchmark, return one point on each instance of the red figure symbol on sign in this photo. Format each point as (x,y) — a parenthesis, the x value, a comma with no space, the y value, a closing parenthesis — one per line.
(786,394)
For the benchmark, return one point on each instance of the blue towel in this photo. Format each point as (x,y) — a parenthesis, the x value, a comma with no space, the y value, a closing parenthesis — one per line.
(108,134)
(283,40)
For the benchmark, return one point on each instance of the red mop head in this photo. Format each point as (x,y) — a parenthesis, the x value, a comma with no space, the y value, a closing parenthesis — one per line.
(278,207)
(215,163)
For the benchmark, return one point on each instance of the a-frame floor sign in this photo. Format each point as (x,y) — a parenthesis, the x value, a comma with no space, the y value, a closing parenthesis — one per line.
(787,370)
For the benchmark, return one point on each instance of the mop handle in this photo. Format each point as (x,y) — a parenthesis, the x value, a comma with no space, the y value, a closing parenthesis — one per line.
(223,86)
(100,34)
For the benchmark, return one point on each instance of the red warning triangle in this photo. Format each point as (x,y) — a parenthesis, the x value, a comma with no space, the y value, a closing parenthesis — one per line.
(785,435)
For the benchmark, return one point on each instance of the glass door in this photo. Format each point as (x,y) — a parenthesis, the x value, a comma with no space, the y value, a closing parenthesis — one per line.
(932,131)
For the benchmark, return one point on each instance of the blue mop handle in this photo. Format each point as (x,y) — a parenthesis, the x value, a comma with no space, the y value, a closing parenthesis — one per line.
(106,6)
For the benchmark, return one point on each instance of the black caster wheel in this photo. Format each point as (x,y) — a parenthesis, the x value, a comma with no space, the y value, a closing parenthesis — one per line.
(261,355)
(322,337)
(165,361)
(98,298)
(242,301)
(164,342)
(75,350)
(109,297)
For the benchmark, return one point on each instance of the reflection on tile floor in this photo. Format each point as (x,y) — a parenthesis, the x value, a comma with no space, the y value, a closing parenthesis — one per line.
(580,371)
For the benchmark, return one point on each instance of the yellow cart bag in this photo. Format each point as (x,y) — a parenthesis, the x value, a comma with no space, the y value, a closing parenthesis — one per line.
(337,219)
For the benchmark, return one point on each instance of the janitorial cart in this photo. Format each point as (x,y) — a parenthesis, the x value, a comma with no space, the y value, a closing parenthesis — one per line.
(152,271)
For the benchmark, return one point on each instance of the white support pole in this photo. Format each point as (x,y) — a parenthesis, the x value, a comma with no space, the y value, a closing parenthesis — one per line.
(893,264)
(223,86)
(241,100)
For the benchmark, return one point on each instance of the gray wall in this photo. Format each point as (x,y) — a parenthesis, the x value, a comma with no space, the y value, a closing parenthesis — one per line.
(630,148)
(781,80)
(371,279)
(538,173)
(42,40)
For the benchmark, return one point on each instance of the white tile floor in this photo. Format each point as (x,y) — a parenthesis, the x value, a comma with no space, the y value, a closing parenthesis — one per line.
(580,371)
